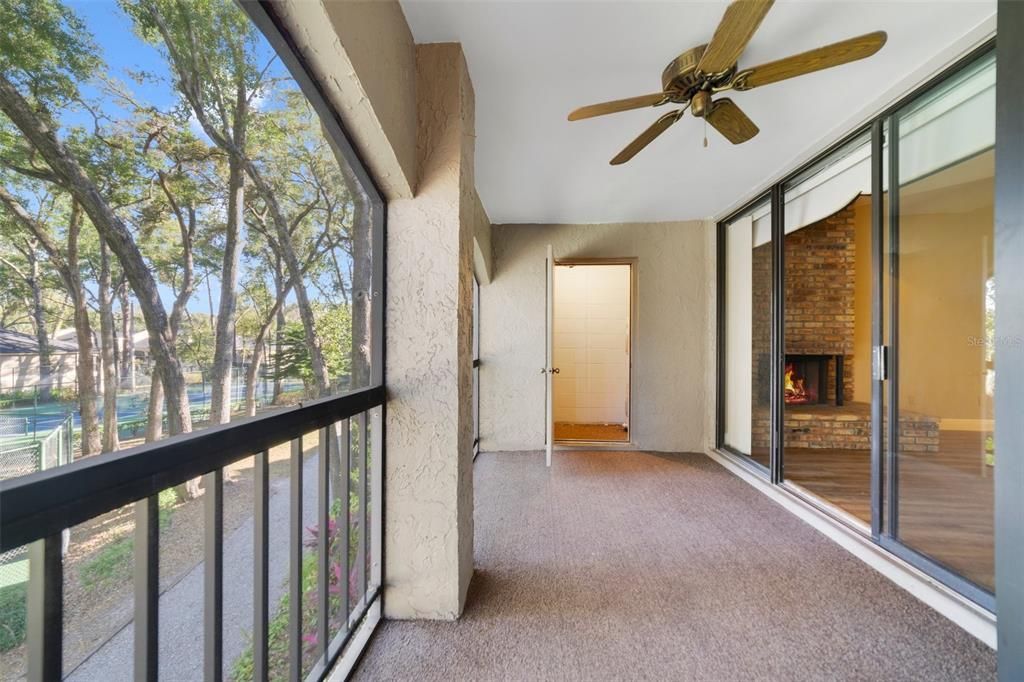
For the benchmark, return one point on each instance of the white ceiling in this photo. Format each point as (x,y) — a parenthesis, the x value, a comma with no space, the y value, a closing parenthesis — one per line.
(533,62)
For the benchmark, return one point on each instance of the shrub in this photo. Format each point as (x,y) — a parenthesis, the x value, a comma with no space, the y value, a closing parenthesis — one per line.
(65,395)
(277,628)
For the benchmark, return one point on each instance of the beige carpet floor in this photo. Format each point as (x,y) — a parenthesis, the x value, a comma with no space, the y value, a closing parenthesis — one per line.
(639,566)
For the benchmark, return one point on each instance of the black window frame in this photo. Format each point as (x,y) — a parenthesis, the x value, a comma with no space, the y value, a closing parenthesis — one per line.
(34,509)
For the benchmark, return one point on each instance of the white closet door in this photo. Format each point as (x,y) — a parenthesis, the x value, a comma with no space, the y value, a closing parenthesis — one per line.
(549,360)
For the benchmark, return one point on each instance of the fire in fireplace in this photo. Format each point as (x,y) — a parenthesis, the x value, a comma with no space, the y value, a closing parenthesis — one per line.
(795,392)
(805,377)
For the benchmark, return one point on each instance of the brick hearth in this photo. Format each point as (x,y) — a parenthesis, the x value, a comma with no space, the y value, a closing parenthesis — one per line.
(843,428)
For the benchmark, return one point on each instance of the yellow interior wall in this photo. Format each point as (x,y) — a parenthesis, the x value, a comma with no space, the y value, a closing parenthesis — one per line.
(862,301)
(946,257)
(945,260)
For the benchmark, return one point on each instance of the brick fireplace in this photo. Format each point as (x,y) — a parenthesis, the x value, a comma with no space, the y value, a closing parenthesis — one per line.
(820,290)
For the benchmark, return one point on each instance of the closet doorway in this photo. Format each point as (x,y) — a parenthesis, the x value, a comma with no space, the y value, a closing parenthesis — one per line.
(591,347)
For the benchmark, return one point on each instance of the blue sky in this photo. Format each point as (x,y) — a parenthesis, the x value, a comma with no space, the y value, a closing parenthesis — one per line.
(121,48)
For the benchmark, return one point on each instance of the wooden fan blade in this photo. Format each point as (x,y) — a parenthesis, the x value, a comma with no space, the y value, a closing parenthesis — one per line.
(815,60)
(737,27)
(646,137)
(729,119)
(619,105)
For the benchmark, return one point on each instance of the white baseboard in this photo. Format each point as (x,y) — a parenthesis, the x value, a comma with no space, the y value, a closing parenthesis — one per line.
(975,620)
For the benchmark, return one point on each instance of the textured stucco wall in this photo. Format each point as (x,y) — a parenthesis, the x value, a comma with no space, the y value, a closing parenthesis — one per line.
(428,478)
(483,254)
(670,351)
(364,57)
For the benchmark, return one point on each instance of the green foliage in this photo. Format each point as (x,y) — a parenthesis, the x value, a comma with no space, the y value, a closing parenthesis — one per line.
(334,328)
(195,342)
(17,396)
(13,615)
(341,579)
(167,181)
(67,394)
(277,635)
(211,46)
(45,49)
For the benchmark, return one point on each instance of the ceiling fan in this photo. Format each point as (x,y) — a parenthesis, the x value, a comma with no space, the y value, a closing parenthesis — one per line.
(694,76)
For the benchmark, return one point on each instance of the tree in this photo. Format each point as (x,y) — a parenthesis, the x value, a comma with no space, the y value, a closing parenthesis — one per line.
(128,380)
(209,45)
(19,256)
(334,323)
(30,83)
(65,262)
(182,168)
(108,340)
(185,39)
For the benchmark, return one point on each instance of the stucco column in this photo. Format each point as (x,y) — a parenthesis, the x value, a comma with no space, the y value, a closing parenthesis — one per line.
(429,472)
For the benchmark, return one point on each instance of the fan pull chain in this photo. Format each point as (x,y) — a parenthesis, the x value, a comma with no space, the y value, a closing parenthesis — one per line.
(705,132)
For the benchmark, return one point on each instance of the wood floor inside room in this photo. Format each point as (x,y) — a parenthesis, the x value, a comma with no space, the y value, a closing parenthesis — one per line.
(945,503)
(591,433)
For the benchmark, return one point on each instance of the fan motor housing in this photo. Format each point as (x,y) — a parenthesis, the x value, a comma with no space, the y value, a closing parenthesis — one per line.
(681,78)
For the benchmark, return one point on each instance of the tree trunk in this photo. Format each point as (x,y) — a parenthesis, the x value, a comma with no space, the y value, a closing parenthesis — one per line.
(321,380)
(67,268)
(127,340)
(224,336)
(39,322)
(86,372)
(33,124)
(257,354)
(86,368)
(279,286)
(362,277)
(362,298)
(155,410)
(251,375)
(108,342)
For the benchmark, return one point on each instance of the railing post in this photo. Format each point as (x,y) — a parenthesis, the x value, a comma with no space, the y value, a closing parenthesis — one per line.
(376,517)
(213,576)
(323,541)
(345,458)
(147,588)
(295,566)
(364,489)
(45,609)
(261,582)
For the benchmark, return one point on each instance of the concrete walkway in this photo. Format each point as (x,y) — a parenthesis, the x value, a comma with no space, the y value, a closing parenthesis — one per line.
(181,606)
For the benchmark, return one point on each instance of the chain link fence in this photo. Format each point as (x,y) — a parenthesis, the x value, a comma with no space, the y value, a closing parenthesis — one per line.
(21,453)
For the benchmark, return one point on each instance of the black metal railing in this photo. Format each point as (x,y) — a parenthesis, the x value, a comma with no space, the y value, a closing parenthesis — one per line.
(35,509)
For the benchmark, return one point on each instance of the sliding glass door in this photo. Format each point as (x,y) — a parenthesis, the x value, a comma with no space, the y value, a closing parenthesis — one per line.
(826,391)
(856,330)
(942,321)
(746,358)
